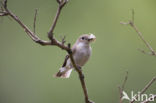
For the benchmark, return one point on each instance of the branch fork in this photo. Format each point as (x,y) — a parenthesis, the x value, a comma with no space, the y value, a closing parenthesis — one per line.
(132,24)
(146,87)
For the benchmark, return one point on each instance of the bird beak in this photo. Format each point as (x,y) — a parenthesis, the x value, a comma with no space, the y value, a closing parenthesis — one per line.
(92,37)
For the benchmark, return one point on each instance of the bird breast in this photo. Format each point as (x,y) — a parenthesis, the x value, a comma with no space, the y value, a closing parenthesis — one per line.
(82,54)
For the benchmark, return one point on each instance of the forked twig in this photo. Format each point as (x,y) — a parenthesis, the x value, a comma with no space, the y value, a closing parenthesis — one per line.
(145,88)
(121,89)
(131,23)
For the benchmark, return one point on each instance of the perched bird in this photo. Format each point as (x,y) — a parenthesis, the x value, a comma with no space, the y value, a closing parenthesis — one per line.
(81,52)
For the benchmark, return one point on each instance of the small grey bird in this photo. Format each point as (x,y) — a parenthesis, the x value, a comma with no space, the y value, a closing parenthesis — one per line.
(81,53)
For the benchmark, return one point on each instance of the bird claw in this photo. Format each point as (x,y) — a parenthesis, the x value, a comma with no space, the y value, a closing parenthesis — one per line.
(82,77)
(79,67)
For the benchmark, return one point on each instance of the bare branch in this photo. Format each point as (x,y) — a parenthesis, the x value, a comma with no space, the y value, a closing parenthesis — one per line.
(146,87)
(125,80)
(5,4)
(3,13)
(148,100)
(121,89)
(131,23)
(133,15)
(60,6)
(81,77)
(142,38)
(152,52)
(31,34)
(52,41)
(63,39)
(34,24)
(144,52)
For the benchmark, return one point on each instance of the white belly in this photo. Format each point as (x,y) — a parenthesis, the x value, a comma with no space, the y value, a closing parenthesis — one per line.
(82,55)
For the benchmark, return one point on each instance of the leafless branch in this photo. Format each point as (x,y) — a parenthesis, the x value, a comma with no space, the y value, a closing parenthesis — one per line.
(63,39)
(121,89)
(3,13)
(34,24)
(131,23)
(53,41)
(148,100)
(145,88)
(61,5)
(152,52)
(125,80)
(144,52)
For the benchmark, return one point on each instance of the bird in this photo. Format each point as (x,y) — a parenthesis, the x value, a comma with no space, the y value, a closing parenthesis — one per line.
(81,53)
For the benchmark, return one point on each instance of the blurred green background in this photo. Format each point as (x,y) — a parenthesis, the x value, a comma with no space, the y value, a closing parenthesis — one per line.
(26,68)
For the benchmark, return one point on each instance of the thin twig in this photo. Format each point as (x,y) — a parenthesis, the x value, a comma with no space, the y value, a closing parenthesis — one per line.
(121,89)
(148,85)
(125,80)
(145,88)
(133,15)
(131,23)
(61,5)
(31,34)
(148,100)
(5,4)
(142,38)
(34,24)
(53,41)
(144,52)
(63,39)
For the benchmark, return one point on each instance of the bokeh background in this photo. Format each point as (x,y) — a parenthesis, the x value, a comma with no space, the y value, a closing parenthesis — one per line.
(26,68)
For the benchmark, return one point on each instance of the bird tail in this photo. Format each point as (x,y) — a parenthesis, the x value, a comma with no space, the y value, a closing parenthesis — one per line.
(63,73)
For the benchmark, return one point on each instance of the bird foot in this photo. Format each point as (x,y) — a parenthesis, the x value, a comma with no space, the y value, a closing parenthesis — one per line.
(82,76)
(79,67)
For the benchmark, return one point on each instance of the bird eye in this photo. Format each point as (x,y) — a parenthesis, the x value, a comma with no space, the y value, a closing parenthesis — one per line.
(83,38)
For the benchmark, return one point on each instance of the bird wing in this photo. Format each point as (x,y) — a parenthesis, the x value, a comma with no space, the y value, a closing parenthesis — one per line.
(67,56)
(65,61)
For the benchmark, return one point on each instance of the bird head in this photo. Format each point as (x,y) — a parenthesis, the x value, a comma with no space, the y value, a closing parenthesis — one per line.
(87,38)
